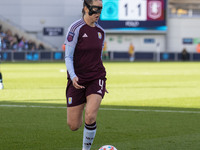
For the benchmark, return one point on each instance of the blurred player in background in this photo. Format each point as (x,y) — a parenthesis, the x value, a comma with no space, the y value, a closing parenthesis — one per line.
(105,52)
(86,73)
(198,48)
(184,55)
(1,79)
(131,52)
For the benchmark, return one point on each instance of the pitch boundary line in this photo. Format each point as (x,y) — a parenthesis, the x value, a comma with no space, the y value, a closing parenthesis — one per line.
(107,109)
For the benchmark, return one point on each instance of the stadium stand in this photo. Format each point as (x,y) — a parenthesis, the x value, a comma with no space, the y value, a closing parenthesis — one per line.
(15,38)
(182,19)
(14,42)
(186,8)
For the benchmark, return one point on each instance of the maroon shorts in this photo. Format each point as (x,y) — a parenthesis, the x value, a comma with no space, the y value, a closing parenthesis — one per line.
(76,97)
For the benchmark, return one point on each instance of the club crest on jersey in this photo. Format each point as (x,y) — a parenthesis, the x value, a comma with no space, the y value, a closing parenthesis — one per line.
(99,35)
(69,100)
(70,36)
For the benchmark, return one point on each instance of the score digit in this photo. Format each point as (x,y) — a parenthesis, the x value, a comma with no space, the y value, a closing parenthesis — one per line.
(132,10)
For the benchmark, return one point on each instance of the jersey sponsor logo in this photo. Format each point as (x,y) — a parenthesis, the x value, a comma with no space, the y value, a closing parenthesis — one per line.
(69,100)
(70,36)
(85,35)
(99,35)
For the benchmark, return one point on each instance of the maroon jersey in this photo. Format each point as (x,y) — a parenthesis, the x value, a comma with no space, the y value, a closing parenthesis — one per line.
(87,43)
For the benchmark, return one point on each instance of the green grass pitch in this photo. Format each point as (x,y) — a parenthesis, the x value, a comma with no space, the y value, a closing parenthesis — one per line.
(150,106)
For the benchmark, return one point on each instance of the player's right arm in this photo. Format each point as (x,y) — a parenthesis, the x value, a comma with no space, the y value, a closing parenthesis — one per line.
(69,56)
(69,53)
(70,44)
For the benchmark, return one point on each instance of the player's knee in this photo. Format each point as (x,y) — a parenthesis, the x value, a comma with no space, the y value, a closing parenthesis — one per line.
(73,126)
(90,118)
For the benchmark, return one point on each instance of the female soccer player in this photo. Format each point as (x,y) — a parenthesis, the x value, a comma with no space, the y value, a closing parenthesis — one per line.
(86,73)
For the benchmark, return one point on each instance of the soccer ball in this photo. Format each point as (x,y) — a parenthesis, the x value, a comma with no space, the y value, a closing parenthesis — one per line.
(107,147)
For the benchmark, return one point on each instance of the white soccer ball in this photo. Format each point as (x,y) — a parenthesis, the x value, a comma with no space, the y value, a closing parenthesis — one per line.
(107,147)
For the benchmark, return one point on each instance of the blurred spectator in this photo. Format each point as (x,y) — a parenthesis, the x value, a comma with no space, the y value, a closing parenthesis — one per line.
(9,35)
(21,44)
(184,55)
(16,43)
(41,47)
(198,48)
(63,47)
(31,45)
(131,52)
(17,37)
(1,28)
(26,45)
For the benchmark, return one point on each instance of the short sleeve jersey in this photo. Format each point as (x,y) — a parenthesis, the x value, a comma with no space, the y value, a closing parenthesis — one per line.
(88,42)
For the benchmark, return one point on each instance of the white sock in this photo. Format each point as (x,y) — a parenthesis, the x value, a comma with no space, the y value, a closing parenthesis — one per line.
(88,136)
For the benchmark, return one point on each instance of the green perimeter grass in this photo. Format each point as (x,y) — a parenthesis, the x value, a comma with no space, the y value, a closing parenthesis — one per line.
(149,86)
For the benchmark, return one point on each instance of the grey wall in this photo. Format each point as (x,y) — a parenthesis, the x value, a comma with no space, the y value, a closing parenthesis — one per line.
(121,42)
(180,28)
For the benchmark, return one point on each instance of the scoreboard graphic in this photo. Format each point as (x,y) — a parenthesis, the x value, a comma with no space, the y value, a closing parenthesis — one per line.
(134,15)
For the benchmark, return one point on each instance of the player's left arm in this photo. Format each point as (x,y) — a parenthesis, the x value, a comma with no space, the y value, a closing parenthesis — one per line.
(102,54)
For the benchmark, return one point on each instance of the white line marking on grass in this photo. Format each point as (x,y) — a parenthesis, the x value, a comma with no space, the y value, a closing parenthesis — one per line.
(108,109)
(31,106)
(148,110)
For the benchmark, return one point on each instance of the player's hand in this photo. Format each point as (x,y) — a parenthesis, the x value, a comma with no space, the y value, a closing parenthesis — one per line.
(75,83)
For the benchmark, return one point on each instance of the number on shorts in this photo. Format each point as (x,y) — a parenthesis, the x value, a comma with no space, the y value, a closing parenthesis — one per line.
(101,82)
